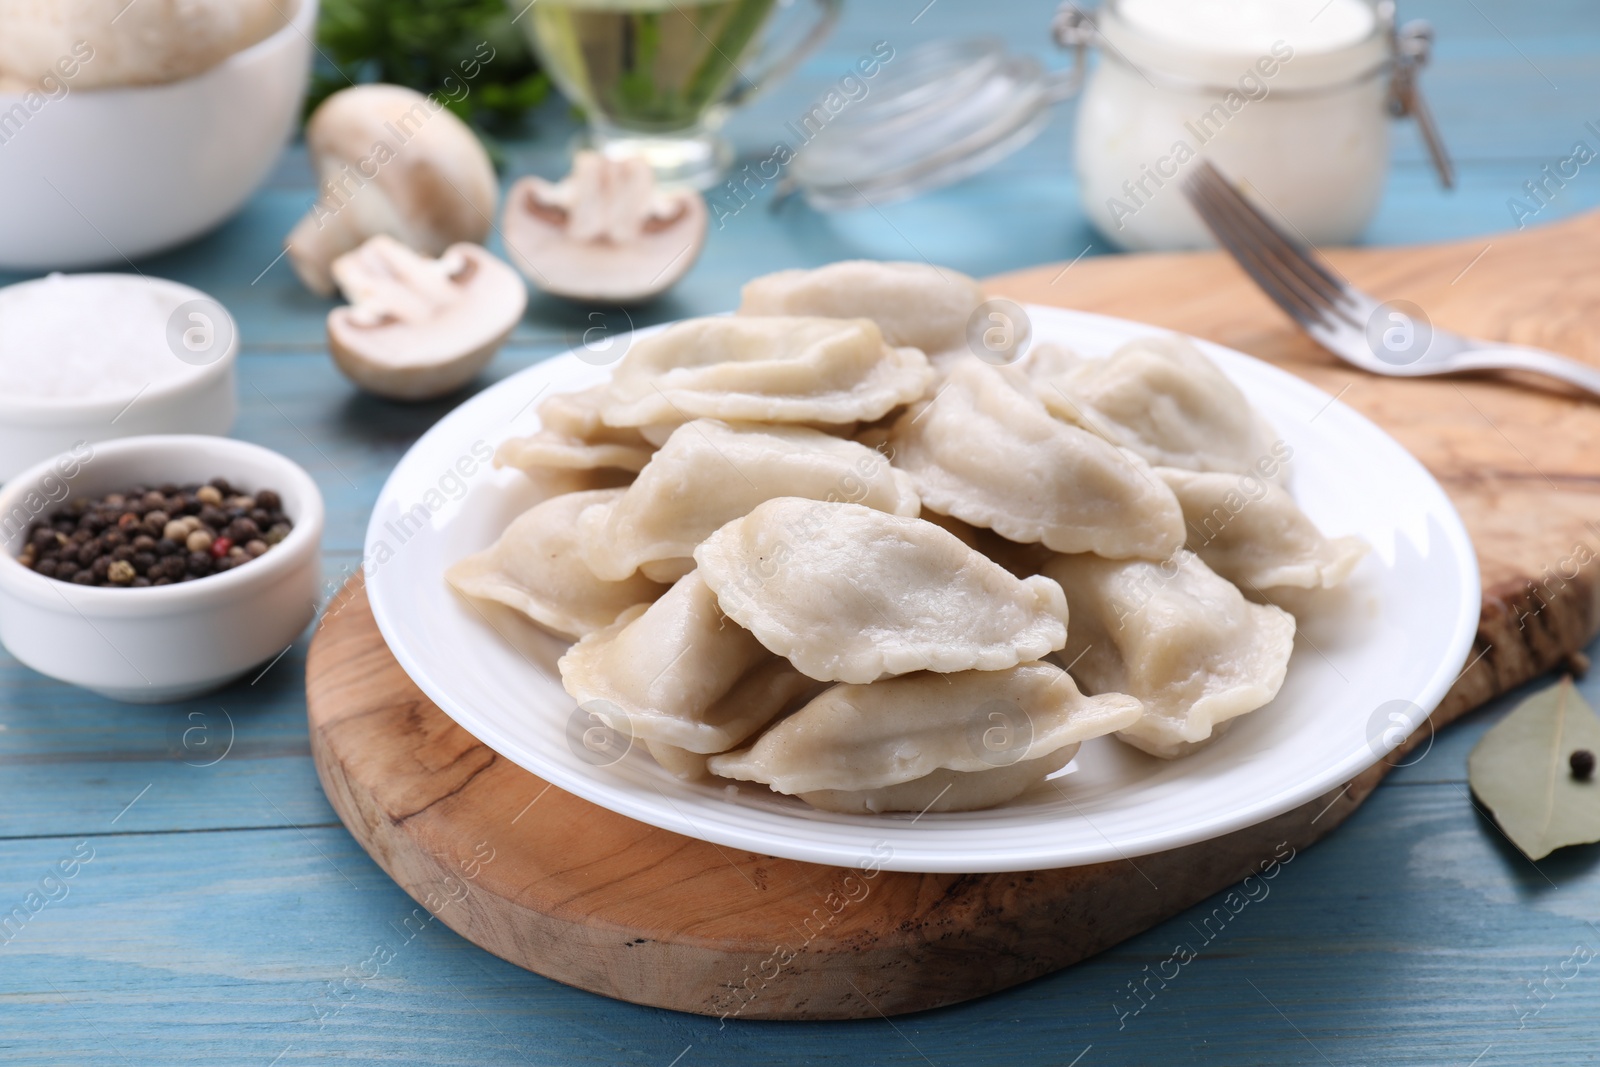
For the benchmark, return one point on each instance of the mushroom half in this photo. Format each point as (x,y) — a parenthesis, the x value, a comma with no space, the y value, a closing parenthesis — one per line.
(389,160)
(417,328)
(605,232)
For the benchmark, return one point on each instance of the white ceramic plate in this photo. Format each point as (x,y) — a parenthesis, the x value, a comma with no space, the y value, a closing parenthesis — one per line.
(1401,634)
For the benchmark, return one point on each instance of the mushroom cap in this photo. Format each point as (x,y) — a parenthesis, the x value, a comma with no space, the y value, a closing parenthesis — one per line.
(420,328)
(605,233)
(149,43)
(390,160)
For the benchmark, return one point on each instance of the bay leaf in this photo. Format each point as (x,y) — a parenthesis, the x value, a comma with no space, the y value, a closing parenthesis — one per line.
(1520,772)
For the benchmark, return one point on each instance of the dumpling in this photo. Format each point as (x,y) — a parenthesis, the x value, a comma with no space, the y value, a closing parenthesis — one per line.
(1252,533)
(764,370)
(850,594)
(929,742)
(679,762)
(680,675)
(987,453)
(1021,560)
(535,568)
(710,472)
(1177,637)
(914,304)
(1162,398)
(571,435)
(1047,359)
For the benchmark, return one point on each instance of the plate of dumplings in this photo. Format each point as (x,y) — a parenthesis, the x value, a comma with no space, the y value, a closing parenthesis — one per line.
(830,578)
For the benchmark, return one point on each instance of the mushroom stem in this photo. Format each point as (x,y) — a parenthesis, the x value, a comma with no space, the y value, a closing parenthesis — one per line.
(319,238)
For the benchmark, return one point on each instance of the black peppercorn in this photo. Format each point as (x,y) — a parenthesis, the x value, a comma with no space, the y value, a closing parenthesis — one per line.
(120,539)
(241,530)
(1582,764)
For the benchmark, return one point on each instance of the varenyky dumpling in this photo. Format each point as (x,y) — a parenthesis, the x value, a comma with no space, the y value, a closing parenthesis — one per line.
(850,594)
(710,472)
(681,674)
(1162,398)
(571,435)
(914,304)
(1252,533)
(764,370)
(1021,560)
(1177,637)
(989,454)
(929,742)
(535,568)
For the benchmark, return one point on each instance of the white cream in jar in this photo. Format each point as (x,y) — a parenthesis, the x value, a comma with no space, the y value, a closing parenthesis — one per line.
(1286,97)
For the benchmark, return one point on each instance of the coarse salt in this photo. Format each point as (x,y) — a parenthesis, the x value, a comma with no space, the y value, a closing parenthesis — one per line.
(87,337)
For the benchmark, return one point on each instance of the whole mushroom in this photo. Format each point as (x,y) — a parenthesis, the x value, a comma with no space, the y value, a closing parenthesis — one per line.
(390,161)
(114,42)
(418,328)
(605,232)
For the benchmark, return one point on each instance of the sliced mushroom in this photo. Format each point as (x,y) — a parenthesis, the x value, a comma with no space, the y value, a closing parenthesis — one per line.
(605,232)
(418,328)
(391,161)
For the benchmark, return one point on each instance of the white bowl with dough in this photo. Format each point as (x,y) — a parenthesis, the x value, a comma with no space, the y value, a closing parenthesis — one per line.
(101,176)
(167,642)
(93,357)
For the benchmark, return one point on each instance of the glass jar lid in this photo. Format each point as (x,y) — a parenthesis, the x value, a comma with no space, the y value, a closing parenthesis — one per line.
(947,110)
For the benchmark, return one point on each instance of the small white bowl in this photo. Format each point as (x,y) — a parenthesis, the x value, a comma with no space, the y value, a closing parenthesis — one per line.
(100,176)
(170,642)
(199,399)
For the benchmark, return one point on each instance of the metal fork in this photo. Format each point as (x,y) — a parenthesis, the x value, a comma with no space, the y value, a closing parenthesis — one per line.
(1392,338)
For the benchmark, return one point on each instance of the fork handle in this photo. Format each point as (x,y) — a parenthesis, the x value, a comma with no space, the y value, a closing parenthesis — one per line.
(1515,357)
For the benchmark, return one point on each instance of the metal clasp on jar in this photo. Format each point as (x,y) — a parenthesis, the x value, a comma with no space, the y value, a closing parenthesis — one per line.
(1410,48)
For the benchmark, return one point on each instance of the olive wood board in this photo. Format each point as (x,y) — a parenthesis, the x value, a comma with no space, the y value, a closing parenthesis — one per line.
(593,899)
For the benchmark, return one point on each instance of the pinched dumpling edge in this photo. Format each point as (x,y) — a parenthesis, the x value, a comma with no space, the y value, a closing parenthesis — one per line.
(480,577)
(894,376)
(1039,597)
(617,539)
(1077,717)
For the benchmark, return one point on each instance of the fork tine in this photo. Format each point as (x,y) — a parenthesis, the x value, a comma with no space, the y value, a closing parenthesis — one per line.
(1280,246)
(1303,304)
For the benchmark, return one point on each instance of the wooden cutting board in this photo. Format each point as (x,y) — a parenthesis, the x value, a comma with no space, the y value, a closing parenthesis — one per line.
(559,886)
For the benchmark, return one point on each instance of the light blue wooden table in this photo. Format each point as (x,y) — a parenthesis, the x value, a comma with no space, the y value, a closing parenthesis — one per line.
(225,915)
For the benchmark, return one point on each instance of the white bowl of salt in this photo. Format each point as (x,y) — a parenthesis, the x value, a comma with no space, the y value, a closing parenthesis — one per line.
(91,357)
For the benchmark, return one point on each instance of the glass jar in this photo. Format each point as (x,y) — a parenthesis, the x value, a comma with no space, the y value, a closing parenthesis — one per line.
(1289,98)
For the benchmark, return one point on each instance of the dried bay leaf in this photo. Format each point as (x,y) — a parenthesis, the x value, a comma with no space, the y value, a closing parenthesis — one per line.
(1520,771)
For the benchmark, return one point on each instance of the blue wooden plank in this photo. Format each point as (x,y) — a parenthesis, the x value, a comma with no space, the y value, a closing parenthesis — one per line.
(1410,937)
